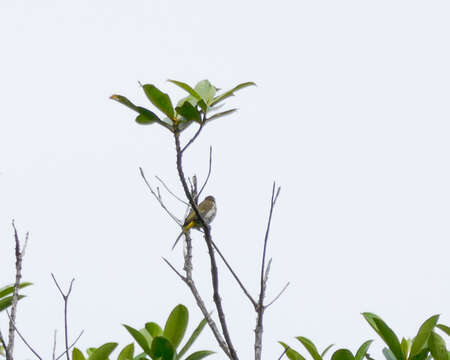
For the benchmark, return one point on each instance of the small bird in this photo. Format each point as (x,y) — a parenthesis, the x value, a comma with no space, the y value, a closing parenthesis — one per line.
(207,209)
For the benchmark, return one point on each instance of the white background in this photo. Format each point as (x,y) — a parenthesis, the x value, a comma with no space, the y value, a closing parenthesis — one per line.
(350,117)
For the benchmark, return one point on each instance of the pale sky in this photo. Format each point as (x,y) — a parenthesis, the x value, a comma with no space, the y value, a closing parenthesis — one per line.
(350,117)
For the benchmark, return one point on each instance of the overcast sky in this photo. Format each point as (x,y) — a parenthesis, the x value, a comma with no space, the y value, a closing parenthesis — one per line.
(350,117)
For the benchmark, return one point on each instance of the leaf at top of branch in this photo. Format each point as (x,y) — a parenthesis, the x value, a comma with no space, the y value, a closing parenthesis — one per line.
(192,338)
(229,93)
(176,325)
(9,289)
(6,302)
(127,353)
(186,88)
(291,353)
(103,352)
(437,347)
(139,337)
(309,345)
(221,114)
(444,328)
(342,354)
(423,334)
(145,116)
(362,351)
(198,355)
(77,354)
(162,348)
(188,112)
(159,99)
(206,90)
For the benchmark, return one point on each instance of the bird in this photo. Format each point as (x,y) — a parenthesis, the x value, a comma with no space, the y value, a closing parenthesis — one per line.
(207,209)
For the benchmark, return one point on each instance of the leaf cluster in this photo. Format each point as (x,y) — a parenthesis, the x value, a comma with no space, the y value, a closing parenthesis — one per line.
(154,341)
(200,106)
(6,295)
(427,344)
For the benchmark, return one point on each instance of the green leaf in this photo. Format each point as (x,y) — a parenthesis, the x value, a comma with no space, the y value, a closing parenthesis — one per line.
(291,353)
(127,353)
(206,90)
(176,325)
(6,302)
(444,328)
(437,347)
(199,355)
(162,348)
(159,99)
(145,116)
(388,354)
(309,345)
(189,112)
(362,351)
(153,329)
(389,338)
(192,338)
(140,339)
(103,352)
(141,356)
(405,347)
(370,319)
(221,114)
(231,92)
(77,354)
(9,289)
(423,334)
(187,88)
(323,353)
(422,355)
(147,336)
(342,354)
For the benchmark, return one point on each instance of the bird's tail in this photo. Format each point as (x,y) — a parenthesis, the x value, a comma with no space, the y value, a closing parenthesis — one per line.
(186,228)
(178,239)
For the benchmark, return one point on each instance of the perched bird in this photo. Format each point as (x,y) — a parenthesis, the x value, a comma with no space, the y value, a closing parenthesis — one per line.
(207,209)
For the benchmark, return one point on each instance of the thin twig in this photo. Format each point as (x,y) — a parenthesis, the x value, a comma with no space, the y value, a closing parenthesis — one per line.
(170,191)
(207,176)
(246,292)
(22,338)
(283,353)
(159,198)
(70,346)
(66,299)
(174,269)
(263,280)
(195,135)
(54,346)
(208,239)
(278,296)
(19,253)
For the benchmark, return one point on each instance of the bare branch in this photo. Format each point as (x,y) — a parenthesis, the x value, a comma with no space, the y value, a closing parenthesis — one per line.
(189,281)
(278,296)
(3,343)
(158,197)
(208,239)
(170,191)
(66,299)
(207,176)
(283,353)
(71,346)
(263,279)
(246,292)
(195,135)
(19,253)
(54,345)
(21,337)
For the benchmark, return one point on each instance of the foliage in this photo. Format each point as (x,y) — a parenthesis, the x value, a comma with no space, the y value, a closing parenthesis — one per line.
(427,342)
(200,106)
(6,296)
(155,342)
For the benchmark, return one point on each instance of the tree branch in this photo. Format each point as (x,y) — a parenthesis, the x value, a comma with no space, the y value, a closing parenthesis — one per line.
(263,280)
(22,338)
(170,191)
(71,346)
(208,239)
(65,298)
(207,176)
(278,296)
(189,281)
(158,197)
(12,320)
